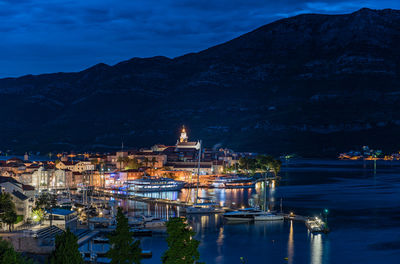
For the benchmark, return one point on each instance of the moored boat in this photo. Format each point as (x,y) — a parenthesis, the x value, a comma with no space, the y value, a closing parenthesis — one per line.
(232,182)
(245,215)
(152,184)
(268,216)
(204,208)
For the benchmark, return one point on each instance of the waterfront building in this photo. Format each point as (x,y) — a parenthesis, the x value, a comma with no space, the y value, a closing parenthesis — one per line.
(131,174)
(62,218)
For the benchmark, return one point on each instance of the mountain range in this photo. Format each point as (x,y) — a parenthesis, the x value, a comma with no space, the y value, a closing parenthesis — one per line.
(311,84)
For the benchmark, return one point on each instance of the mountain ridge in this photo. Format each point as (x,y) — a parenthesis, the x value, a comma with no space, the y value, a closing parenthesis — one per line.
(312,84)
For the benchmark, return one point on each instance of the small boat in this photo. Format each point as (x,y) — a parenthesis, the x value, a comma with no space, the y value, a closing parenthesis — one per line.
(204,208)
(147,218)
(245,215)
(268,216)
(100,240)
(146,254)
(155,224)
(135,222)
(141,232)
(317,225)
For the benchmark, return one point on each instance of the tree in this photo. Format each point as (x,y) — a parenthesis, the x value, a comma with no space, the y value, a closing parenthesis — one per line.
(244,163)
(66,249)
(264,162)
(37,215)
(123,248)
(8,214)
(146,161)
(276,166)
(153,161)
(45,201)
(182,247)
(133,164)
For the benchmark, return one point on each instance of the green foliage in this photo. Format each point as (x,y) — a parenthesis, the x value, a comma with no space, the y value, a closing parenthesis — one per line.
(8,214)
(8,254)
(182,247)
(45,201)
(261,163)
(20,218)
(37,215)
(133,164)
(123,248)
(66,249)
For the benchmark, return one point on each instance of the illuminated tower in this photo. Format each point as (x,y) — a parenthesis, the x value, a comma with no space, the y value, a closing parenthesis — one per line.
(183,137)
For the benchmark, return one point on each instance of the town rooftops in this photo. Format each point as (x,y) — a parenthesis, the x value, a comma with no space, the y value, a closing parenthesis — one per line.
(8,179)
(131,170)
(59,211)
(27,187)
(14,159)
(187,144)
(67,163)
(20,195)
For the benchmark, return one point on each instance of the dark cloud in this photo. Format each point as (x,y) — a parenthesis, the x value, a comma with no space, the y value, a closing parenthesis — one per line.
(69,35)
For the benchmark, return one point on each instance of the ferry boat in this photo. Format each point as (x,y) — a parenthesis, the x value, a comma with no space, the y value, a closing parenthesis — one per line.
(233,182)
(246,214)
(316,225)
(151,184)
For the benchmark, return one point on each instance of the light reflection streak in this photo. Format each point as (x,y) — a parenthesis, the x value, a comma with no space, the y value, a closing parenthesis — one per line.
(220,244)
(316,248)
(290,244)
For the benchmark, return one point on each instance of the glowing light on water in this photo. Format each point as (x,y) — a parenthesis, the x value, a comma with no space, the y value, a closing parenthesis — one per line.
(290,244)
(316,248)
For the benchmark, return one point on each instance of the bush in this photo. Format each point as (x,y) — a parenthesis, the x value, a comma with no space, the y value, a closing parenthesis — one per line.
(20,218)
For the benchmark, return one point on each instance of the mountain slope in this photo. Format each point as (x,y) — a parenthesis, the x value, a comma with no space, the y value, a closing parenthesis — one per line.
(312,84)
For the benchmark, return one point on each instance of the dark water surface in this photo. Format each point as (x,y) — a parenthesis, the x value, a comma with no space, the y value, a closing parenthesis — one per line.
(364,216)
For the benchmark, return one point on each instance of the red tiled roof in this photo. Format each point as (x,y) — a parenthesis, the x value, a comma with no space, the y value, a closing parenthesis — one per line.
(27,187)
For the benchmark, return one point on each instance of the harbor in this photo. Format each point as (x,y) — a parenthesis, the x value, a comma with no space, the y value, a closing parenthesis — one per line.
(306,190)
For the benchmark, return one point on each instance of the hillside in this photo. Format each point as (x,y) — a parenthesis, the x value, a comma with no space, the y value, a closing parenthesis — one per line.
(311,84)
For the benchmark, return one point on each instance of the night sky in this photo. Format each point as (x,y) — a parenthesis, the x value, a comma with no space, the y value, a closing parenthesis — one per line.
(40,36)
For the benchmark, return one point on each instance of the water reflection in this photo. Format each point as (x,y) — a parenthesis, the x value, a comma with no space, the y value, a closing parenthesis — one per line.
(220,244)
(290,244)
(316,248)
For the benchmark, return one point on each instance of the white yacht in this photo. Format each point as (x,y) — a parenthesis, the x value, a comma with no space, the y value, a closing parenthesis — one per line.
(152,184)
(268,216)
(232,182)
(204,208)
(246,214)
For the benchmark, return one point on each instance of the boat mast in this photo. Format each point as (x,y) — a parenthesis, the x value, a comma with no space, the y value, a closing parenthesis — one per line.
(198,174)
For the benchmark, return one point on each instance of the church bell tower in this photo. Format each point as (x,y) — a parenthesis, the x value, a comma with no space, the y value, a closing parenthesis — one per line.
(183,137)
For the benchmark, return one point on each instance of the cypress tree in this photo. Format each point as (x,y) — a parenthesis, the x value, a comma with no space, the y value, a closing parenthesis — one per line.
(123,248)
(67,249)
(182,247)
